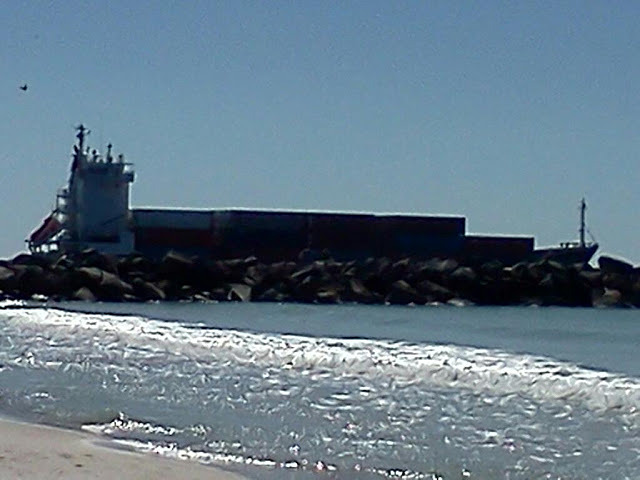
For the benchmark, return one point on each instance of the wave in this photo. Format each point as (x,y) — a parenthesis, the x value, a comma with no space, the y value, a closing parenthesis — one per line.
(314,405)
(56,335)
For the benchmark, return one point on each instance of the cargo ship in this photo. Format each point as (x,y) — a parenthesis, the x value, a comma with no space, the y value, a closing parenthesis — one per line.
(93,211)
(570,252)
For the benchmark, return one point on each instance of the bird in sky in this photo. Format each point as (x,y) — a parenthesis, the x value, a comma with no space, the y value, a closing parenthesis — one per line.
(24,87)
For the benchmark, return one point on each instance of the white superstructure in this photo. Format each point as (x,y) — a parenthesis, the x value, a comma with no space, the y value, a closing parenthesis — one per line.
(92,211)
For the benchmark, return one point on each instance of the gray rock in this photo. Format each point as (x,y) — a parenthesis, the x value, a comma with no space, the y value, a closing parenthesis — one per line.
(147,290)
(91,276)
(463,276)
(608,298)
(402,293)
(174,264)
(436,268)
(83,294)
(547,283)
(103,261)
(617,281)
(492,269)
(7,278)
(328,295)
(274,295)
(113,282)
(105,285)
(42,261)
(239,292)
(436,291)
(614,265)
(359,293)
(590,278)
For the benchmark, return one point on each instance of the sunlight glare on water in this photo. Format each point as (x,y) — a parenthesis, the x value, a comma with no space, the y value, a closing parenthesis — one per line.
(268,403)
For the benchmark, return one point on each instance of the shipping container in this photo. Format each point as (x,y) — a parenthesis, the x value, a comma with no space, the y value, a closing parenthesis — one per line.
(178,237)
(267,235)
(166,218)
(427,225)
(340,233)
(259,220)
(282,235)
(401,244)
(421,236)
(366,235)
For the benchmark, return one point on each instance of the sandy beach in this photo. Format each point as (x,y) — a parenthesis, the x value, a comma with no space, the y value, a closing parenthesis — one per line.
(39,452)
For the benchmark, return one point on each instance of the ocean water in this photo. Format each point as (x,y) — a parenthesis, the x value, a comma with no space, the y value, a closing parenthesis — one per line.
(347,392)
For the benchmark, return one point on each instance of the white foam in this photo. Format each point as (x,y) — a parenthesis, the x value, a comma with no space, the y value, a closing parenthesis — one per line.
(49,337)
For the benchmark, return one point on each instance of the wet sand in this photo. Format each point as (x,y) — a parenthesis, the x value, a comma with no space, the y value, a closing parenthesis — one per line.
(30,451)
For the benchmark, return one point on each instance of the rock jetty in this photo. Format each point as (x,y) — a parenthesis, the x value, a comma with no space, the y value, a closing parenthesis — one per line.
(93,276)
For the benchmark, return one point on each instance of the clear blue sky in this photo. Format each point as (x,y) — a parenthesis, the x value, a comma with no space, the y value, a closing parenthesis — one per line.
(504,112)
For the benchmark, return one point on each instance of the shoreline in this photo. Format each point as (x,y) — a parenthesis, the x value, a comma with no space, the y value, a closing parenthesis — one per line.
(34,451)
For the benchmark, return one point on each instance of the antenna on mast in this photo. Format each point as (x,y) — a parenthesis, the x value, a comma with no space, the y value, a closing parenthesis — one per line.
(583,208)
(81,135)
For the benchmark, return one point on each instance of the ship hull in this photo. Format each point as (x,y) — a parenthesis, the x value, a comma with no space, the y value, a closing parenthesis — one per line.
(565,255)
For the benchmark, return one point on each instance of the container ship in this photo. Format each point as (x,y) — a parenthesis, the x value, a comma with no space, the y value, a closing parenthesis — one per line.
(93,211)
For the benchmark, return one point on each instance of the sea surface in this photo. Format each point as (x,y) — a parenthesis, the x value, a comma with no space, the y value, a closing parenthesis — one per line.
(293,391)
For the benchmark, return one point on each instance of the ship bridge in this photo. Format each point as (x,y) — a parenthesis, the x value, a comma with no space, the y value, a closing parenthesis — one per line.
(92,211)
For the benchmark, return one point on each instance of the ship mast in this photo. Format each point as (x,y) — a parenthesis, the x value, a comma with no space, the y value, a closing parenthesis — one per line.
(82,133)
(583,208)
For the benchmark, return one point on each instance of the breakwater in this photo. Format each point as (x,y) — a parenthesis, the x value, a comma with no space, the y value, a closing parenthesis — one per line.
(93,276)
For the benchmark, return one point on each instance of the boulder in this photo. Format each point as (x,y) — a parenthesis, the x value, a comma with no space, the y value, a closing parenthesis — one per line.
(169,287)
(381,266)
(399,270)
(435,291)
(186,292)
(614,265)
(520,271)
(105,285)
(590,278)
(278,272)
(65,262)
(312,269)
(31,278)
(113,287)
(617,281)
(357,292)
(547,283)
(176,265)
(83,294)
(460,302)
(239,292)
(42,261)
(305,289)
(436,268)
(463,276)
(401,293)
(328,294)
(103,261)
(492,269)
(348,269)
(254,275)
(91,276)
(608,298)
(274,295)
(634,294)
(7,278)
(136,265)
(147,290)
